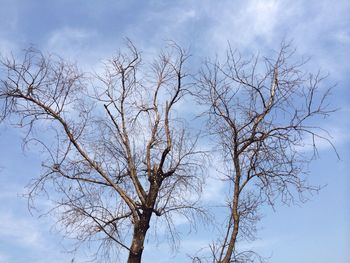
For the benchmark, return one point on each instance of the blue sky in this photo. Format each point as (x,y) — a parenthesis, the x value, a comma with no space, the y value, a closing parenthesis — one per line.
(88,31)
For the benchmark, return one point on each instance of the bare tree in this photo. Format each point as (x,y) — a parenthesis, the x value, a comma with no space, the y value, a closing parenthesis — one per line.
(261,113)
(117,153)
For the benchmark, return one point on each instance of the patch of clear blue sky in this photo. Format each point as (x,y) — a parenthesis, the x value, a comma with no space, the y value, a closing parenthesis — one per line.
(88,31)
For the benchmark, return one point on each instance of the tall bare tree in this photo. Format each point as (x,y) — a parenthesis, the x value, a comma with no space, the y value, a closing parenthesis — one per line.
(117,152)
(261,113)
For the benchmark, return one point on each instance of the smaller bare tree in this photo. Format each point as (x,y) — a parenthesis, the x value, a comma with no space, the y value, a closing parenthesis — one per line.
(261,115)
(117,153)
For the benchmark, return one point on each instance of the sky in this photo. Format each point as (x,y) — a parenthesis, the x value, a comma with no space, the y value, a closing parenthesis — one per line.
(89,31)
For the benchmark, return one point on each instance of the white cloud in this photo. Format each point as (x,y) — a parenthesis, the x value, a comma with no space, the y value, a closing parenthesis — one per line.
(73,44)
(4,258)
(335,130)
(186,16)
(259,18)
(7,46)
(245,26)
(19,231)
(343,37)
(11,191)
(68,38)
(214,189)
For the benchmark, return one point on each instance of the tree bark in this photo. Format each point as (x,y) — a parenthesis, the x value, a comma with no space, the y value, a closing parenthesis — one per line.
(137,244)
(142,226)
(234,213)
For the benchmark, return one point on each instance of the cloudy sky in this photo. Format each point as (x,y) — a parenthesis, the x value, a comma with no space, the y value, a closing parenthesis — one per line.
(87,31)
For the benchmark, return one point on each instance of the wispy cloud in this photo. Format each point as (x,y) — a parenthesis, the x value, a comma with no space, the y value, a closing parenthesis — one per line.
(243,25)
(68,40)
(7,47)
(19,231)
(4,258)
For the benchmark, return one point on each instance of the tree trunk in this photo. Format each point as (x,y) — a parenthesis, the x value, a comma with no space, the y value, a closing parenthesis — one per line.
(235,214)
(138,239)
(232,243)
(141,227)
